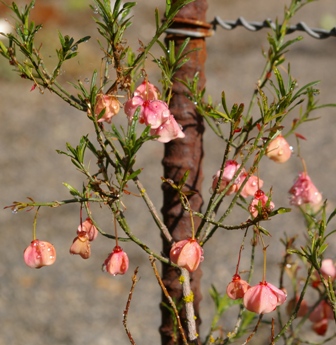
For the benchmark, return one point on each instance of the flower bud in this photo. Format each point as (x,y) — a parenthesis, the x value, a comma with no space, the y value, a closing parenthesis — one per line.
(279,150)
(117,262)
(39,254)
(187,254)
(263,298)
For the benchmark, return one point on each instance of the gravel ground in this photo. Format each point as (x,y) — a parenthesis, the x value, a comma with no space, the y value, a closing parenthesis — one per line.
(73,302)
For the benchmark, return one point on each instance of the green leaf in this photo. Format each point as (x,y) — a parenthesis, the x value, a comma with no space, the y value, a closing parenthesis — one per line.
(73,191)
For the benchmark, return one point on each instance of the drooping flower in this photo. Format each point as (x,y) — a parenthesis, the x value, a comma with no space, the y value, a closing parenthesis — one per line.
(230,169)
(152,113)
(304,191)
(168,131)
(39,254)
(117,262)
(251,186)
(320,316)
(187,254)
(88,227)
(279,150)
(147,91)
(263,298)
(81,245)
(237,287)
(110,104)
(260,200)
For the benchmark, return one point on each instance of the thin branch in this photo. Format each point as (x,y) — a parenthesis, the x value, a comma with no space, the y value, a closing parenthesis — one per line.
(170,300)
(128,303)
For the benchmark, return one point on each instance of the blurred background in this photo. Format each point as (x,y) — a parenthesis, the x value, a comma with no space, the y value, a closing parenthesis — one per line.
(73,302)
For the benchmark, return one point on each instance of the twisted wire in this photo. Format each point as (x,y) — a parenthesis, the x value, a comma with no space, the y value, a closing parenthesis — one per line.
(251,26)
(268,23)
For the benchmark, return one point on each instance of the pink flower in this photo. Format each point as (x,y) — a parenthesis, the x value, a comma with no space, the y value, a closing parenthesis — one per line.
(168,131)
(89,229)
(187,254)
(230,169)
(260,201)
(328,269)
(108,103)
(263,298)
(237,287)
(304,192)
(117,262)
(39,254)
(152,113)
(320,316)
(251,186)
(81,245)
(279,150)
(147,91)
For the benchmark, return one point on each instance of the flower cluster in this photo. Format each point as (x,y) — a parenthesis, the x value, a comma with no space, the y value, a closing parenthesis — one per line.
(153,112)
(261,299)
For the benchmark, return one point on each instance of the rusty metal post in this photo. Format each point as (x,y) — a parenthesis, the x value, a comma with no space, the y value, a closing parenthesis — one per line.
(183,155)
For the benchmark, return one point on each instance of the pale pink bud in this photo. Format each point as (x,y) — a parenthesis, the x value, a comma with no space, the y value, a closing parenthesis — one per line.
(260,200)
(304,191)
(110,104)
(147,91)
(89,229)
(230,169)
(187,254)
(279,150)
(251,186)
(81,245)
(168,131)
(263,298)
(117,262)
(39,254)
(237,287)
